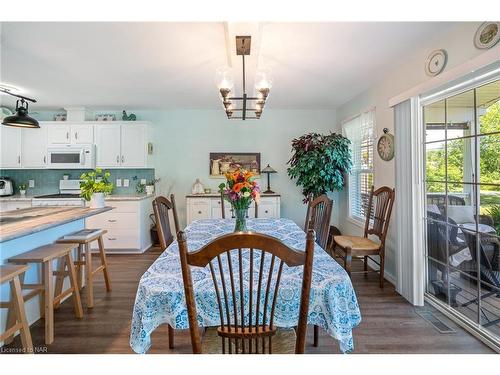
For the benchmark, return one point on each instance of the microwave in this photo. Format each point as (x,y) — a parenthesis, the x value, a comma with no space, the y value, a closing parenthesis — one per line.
(71,157)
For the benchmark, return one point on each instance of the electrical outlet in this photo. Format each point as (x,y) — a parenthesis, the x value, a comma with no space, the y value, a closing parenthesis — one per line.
(118,182)
(31,183)
(126,182)
(143,181)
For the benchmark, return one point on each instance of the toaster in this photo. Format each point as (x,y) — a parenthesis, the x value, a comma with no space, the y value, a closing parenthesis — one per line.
(6,186)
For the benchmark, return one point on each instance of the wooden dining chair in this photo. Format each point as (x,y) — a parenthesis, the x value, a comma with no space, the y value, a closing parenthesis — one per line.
(249,329)
(161,206)
(377,220)
(319,213)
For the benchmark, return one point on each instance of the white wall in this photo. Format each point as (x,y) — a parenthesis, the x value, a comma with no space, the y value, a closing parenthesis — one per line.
(404,74)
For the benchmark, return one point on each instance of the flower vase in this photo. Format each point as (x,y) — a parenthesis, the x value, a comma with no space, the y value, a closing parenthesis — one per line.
(241,219)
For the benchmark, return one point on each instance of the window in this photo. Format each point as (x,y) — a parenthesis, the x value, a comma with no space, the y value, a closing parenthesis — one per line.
(359,130)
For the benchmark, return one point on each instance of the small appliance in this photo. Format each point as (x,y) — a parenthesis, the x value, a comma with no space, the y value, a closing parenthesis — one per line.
(71,157)
(69,195)
(6,186)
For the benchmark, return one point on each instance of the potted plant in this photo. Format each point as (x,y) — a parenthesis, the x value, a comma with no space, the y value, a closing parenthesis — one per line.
(22,189)
(319,163)
(94,185)
(150,186)
(239,190)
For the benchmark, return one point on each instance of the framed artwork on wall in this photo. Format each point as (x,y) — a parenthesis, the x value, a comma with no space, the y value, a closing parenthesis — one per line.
(222,162)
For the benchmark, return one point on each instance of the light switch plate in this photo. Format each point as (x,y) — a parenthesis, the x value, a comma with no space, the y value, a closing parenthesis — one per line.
(126,182)
(143,181)
(31,183)
(118,182)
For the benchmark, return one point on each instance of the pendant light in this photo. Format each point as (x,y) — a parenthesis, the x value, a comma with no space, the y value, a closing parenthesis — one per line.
(20,119)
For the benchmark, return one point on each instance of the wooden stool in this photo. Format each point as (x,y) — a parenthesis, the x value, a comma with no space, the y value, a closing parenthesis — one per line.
(45,255)
(13,274)
(83,239)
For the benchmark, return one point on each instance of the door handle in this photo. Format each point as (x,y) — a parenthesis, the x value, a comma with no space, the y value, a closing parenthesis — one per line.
(111,238)
(118,158)
(44,160)
(67,135)
(123,159)
(112,221)
(18,159)
(76,135)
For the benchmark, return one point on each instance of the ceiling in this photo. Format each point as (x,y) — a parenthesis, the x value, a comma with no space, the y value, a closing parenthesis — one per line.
(172,65)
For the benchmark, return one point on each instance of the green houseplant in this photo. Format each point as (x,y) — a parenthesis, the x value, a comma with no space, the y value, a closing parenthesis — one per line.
(22,189)
(94,185)
(319,162)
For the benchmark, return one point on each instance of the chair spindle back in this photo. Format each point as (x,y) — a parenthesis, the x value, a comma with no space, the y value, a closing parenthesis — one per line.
(319,213)
(379,212)
(161,205)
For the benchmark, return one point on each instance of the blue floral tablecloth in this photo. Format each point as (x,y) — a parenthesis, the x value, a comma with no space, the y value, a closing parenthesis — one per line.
(160,295)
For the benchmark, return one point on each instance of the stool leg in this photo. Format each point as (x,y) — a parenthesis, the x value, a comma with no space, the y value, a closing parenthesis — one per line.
(88,276)
(11,314)
(41,296)
(18,303)
(61,267)
(79,273)
(104,262)
(77,303)
(48,302)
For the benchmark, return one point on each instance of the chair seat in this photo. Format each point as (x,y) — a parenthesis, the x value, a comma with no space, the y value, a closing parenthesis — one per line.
(358,244)
(282,343)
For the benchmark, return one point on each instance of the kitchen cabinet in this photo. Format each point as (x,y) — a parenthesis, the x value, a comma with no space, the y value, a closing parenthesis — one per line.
(64,133)
(207,206)
(127,225)
(34,147)
(10,154)
(122,145)
(11,205)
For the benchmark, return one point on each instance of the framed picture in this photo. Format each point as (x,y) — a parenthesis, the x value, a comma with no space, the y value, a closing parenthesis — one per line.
(222,162)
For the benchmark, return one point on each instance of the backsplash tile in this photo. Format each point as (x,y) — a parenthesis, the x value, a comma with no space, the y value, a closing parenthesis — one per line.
(47,180)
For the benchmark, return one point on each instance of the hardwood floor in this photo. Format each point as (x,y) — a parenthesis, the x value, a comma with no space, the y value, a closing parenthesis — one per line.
(389,324)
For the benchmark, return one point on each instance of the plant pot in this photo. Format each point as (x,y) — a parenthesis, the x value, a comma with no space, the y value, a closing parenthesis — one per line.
(97,200)
(22,192)
(150,189)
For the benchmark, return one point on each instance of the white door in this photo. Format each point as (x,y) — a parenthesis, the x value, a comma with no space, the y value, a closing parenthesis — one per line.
(107,146)
(10,156)
(34,147)
(82,134)
(58,134)
(133,151)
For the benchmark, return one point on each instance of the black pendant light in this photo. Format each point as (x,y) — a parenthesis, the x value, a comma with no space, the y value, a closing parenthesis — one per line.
(20,119)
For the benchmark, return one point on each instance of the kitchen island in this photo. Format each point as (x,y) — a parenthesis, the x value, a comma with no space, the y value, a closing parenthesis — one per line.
(25,229)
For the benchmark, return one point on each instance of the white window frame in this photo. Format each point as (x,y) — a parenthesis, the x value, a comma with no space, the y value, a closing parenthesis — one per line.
(355,219)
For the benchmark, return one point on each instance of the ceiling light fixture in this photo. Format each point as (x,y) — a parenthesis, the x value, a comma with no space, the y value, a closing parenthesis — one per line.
(263,83)
(20,119)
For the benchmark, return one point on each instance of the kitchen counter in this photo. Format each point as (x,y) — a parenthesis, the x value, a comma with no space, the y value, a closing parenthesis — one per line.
(16,198)
(23,222)
(112,197)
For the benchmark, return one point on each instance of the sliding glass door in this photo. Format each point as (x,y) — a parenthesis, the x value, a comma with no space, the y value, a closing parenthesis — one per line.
(462,179)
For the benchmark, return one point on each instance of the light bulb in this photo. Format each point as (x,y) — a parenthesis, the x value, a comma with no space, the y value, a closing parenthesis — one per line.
(224,78)
(263,79)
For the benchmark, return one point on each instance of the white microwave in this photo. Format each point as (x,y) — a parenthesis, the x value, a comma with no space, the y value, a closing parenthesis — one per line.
(71,157)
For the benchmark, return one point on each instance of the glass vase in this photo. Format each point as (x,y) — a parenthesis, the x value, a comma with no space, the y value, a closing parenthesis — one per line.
(241,219)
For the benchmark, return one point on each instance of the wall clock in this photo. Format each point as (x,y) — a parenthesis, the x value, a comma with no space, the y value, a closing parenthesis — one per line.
(436,61)
(385,146)
(487,35)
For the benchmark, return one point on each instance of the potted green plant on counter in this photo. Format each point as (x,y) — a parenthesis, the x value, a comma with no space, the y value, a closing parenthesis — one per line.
(22,189)
(320,162)
(94,185)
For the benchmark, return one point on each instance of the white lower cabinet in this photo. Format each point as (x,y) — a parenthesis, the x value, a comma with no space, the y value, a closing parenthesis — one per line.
(127,226)
(14,205)
(209,207)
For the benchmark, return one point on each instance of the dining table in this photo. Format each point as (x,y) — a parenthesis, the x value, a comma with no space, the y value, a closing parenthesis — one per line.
(160,293)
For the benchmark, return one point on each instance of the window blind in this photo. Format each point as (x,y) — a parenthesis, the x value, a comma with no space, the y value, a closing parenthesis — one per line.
(359,130)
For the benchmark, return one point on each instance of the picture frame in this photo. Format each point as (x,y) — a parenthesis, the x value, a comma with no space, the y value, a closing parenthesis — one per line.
(221,162)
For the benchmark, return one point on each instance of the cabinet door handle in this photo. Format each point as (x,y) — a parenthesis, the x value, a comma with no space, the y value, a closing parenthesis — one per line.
(123,159)
(76,135)
(112,221)
(266,211)
(118,158)
(18,159)
(44,160)
(199,212)
(111,238)
(67,135)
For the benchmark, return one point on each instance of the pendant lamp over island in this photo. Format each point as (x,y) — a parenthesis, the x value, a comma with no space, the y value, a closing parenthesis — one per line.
(20,119)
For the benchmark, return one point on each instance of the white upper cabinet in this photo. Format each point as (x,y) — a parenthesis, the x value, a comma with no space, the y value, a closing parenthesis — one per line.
(108,146)
(10,155)
(133,145)
(59,134)
(122,145)
(34,147)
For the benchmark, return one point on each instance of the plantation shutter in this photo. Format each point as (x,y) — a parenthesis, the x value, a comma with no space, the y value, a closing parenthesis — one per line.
(359,130)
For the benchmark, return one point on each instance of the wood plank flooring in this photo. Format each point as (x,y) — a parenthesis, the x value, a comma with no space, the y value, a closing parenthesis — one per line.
(389,324)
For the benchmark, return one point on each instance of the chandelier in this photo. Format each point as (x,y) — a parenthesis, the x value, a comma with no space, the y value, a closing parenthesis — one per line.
(243,107)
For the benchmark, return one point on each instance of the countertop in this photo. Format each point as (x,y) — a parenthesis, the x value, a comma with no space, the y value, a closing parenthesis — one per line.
(112,197)
(19,223)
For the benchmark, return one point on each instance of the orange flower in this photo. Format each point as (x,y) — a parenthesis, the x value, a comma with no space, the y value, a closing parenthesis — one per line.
(237,187)
(248,175)
(229,176)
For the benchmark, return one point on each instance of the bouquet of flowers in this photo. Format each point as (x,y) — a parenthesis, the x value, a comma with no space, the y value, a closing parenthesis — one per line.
(240,189)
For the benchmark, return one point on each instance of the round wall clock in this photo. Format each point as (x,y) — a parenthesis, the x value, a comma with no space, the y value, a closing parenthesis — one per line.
(385,146)
(435,63)
(487,35)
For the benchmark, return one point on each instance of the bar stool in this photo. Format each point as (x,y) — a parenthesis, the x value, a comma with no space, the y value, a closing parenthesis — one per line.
(83,239)
(14,275)
(45,255)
